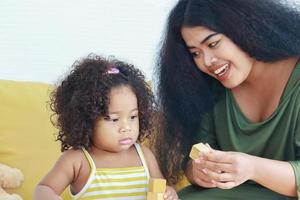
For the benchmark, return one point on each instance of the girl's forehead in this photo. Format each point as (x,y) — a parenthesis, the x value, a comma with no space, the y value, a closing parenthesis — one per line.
(121,90)
(122,99)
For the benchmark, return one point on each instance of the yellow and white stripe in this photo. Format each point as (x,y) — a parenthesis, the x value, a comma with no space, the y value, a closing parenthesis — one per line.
(127,183)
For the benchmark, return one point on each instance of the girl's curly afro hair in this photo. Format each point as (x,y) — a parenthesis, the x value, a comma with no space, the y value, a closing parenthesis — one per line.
(83,96)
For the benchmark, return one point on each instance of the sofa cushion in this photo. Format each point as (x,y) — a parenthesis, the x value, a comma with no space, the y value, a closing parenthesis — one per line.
(27,137)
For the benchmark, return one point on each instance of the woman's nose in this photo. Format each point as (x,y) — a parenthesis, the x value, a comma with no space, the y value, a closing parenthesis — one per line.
(209,59)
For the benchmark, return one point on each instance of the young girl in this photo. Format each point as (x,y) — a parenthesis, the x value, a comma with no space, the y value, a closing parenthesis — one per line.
(104,109)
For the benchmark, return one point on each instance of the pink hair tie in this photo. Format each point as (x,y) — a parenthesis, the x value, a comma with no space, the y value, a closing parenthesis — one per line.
(113,70)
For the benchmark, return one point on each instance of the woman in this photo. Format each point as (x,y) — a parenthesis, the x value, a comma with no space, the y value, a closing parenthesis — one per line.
(229,76)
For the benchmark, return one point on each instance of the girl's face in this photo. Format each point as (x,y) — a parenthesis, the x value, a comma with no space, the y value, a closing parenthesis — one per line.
(119,130)
(217,56)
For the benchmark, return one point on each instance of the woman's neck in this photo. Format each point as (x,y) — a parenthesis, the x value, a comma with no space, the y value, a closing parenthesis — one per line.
(263,73)
(259,96)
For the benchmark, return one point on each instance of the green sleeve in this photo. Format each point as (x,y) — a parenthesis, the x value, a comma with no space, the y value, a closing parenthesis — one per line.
(296,163)
(206,132)
(296,167)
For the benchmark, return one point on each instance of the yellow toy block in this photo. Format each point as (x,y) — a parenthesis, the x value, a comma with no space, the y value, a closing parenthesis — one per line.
(157,185)
(199,148)
(155,196)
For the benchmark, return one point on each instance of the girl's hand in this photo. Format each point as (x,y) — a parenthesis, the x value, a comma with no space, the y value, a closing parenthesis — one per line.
(227,169)
(170,194)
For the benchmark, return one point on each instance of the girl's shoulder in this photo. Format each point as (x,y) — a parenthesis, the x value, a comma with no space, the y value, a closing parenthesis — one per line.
(148,154)
(73,154)
(151,162)
(146,150)
(72,157)
(76,159)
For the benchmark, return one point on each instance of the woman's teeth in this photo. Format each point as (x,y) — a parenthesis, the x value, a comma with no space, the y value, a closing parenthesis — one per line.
(222,70)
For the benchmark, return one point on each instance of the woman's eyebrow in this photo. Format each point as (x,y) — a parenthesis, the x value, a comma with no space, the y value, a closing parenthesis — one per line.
(204,40)
(208,37)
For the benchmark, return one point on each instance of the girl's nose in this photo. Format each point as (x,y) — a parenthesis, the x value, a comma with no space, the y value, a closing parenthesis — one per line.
(124,130)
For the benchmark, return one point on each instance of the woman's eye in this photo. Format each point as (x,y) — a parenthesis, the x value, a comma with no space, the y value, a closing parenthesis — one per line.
(114,120)
(213,44)
(195,54)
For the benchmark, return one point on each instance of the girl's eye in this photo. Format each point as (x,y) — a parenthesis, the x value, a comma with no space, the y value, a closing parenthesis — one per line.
(114,120)
(213,44)
(133,117)
(107,118)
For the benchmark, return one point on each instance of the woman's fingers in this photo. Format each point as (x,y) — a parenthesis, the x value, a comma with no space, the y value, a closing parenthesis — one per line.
(201,177)
(220,177)
(203,183)
(217,167)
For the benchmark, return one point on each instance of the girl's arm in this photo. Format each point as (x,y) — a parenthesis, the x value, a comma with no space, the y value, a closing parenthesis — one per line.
(58,178)
(170,193)
(151,163)
(45,192)
(229,169)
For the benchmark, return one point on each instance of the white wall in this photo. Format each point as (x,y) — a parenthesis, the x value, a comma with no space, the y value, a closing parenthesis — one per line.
(40,39)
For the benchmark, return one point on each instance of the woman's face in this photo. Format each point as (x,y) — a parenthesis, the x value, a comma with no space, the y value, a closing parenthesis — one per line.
(217,56)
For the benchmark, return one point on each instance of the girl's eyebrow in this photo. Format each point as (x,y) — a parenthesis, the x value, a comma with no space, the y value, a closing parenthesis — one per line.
(117,112)
(204,40)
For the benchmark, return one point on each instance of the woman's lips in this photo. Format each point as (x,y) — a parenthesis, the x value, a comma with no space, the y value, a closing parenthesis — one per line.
(222,72)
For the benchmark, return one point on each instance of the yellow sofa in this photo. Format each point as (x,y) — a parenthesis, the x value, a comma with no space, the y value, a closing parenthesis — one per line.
(27,137)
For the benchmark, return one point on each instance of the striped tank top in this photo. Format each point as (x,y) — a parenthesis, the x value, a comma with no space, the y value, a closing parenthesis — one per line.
(126,183)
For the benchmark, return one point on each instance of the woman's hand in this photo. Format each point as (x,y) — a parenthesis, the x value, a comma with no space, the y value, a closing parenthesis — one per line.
(170,194)
(199,174)
(226,169)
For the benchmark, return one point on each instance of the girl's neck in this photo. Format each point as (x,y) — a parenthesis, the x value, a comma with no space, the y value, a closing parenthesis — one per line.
(107,159)
(99,151)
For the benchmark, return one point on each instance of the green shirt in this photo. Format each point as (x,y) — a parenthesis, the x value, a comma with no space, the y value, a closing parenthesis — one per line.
(277,137)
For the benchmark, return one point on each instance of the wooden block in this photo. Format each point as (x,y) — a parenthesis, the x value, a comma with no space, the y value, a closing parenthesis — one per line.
(194,154)
(199,148)
(155,196)
(157,185)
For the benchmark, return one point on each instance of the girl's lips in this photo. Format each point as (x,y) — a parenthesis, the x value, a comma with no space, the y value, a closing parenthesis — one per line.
(125,141)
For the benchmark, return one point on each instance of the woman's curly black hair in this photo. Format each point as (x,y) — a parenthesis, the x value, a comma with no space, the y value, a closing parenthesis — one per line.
(83,96)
